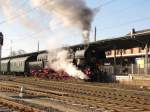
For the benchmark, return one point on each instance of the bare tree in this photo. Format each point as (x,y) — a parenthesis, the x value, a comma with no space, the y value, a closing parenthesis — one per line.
(20,51)
(13,53)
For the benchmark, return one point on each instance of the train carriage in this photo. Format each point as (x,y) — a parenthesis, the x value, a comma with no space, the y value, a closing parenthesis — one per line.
(39,67)
(5,66)
(19,65)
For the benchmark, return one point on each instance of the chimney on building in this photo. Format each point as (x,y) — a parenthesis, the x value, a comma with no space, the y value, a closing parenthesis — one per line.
(132,33)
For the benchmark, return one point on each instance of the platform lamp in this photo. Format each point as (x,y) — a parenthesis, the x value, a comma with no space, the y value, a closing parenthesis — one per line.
(1,43)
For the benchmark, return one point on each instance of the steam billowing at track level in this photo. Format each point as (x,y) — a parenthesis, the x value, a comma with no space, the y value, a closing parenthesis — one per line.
(59,61)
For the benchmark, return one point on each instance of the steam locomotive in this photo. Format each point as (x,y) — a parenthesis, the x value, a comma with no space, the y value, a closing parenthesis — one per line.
(89,60)
(36,64)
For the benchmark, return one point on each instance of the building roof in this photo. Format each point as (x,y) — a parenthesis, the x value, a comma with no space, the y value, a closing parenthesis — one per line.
(137,39)
(24,55)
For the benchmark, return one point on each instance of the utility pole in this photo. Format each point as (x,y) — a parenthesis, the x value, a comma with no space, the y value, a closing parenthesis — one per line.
(95,34)
(114,67)
(11,48)
(38,46)
(1,43)
(146,59)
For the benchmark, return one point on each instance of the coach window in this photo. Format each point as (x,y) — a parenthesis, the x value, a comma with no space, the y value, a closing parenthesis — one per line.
(14,64)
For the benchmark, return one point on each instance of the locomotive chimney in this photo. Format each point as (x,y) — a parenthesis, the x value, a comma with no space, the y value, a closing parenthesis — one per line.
(86,38)
(132,33)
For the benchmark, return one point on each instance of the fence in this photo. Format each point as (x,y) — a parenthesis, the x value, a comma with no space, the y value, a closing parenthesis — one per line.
(125,70)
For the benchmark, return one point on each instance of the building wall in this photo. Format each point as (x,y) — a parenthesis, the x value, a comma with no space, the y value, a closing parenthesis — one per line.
(126,52)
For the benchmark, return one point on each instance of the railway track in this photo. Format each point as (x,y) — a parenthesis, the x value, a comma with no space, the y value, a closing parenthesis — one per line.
(9,105)
(6,109)
(87,98)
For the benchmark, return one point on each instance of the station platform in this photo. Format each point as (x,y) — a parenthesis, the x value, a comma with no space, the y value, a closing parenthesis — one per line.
(138,80)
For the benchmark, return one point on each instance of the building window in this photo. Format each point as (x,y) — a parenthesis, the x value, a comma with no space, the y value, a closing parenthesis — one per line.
(131,50)
(124,51)
(140,49)
(118,52)
(108,53)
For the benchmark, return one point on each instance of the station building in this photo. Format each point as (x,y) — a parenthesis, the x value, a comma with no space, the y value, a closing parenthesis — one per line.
(133,60)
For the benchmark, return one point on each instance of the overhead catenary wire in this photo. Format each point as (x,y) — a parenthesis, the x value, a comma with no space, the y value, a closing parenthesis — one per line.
(20,15)
(126,23)
(108,2)
(107,28)
(101,5)
(105,3)
(31,10)
(133,5)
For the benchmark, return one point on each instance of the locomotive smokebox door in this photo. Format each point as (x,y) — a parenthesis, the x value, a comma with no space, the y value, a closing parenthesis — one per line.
(93,54)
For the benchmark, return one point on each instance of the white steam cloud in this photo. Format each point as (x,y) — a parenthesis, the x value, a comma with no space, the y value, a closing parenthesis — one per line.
(59,61)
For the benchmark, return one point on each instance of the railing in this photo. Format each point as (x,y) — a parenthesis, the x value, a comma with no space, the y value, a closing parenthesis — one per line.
(125,70)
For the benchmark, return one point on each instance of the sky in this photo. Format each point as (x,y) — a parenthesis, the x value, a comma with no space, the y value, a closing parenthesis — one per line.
(26,25)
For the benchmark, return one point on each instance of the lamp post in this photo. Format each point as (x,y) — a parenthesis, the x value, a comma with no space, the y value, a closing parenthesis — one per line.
(146,59)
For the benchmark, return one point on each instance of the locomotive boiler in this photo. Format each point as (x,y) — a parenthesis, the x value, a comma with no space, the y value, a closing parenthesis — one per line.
(89,60)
